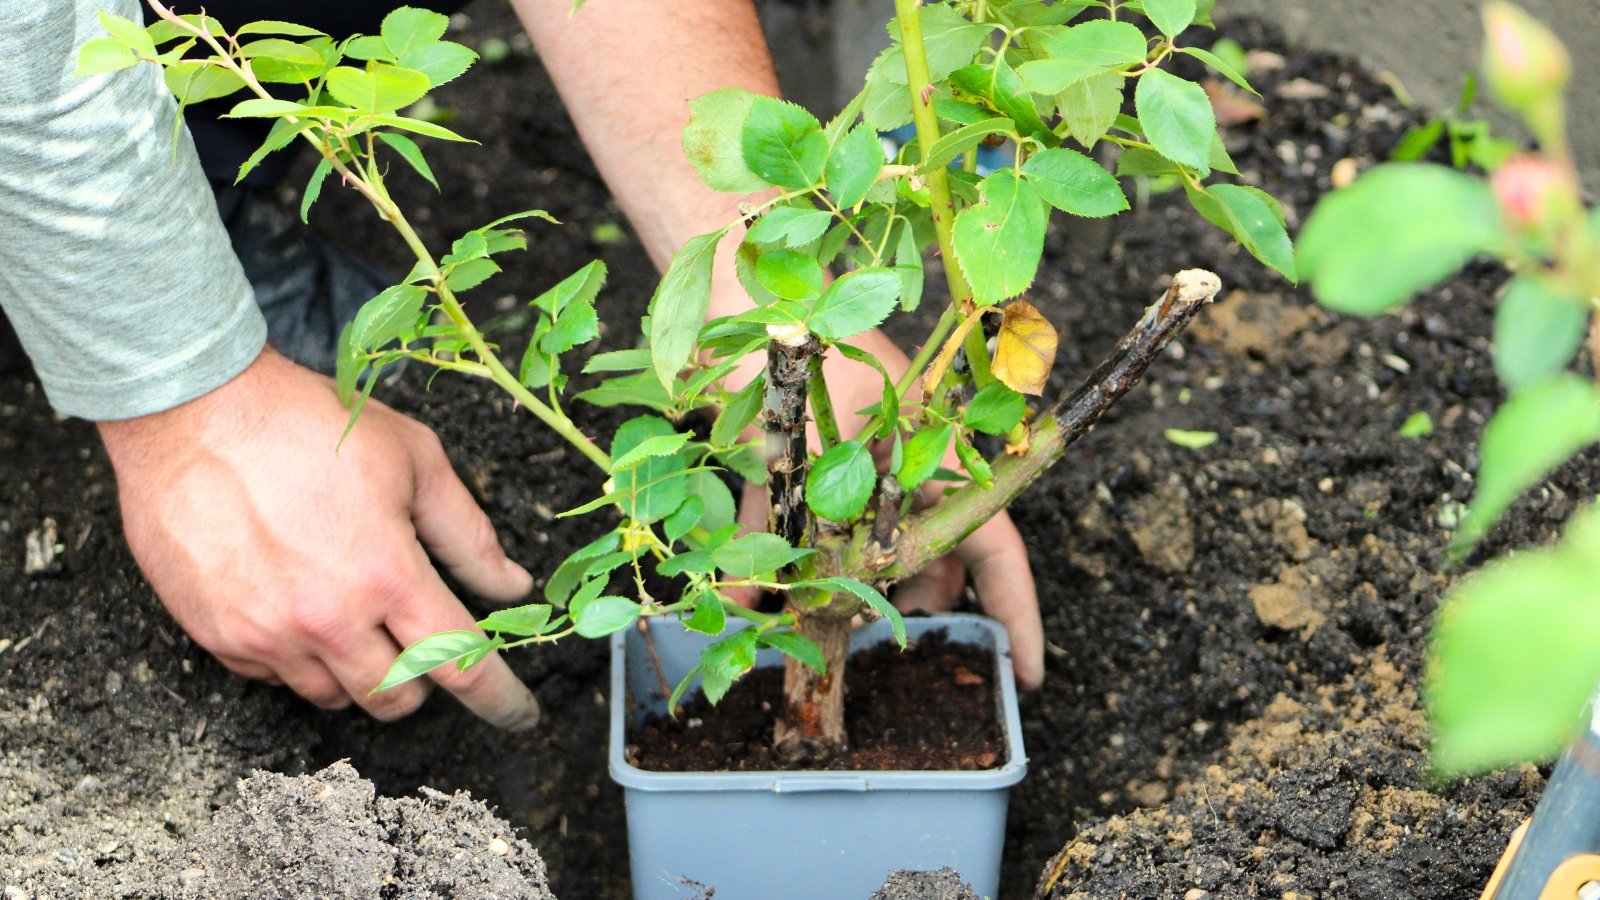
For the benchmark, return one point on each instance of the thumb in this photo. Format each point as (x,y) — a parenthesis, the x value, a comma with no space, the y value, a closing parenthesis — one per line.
(457,533)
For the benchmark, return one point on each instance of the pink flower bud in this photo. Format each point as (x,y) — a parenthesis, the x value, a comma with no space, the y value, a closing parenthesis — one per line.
(1524,62)
(1534,193)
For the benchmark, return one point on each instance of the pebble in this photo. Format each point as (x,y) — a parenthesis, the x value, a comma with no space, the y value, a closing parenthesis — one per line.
(15,893)
(1197,894)
(499,847)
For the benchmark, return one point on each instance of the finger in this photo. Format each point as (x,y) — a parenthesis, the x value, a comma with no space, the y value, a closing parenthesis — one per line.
(311,679)
(999,563)
(457,532)
(246,668)
(488,688)
(935,589)
(360,663)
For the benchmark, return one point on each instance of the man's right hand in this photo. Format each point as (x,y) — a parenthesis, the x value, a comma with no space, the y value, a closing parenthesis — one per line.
(298,565)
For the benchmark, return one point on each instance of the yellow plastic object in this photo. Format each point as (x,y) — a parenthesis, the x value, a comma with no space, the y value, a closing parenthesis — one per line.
(1564,882)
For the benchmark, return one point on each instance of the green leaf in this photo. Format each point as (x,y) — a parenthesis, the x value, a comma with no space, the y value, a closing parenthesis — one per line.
(1220,66)
(695,561)
(420,126)
(724,662)
(853,166)
(783,143)
(314,188)
(290,52)
(854,303)
(996,409)
(1416,425)
(464,276)
(1083,51)
(1000,85)
(195,81)
(643,389)
(713,140)
(789,274)
(889,408)
(708,616)
(1170,16)
(1515,656)
(720,510)
(525,621)
(1536,331)
(655,487)
(381,88)
(392,313)
(756,554)
(441,62)
(1398,229)
(683,518)
(618,361)
(868,595)
(409,28)
(1074,183)
(102,55)
(908,262)
(922,455)
(793,226)
(797,646)
(128,32)
(571,302)
(411,153)
(949,39)
(571,571)
(1090,105)
(1535,431)
(1253,217)
(368,46)
(679,305)
(739,412)
(348,366)
(273,26)
(887,103)
(650,447)
(957,142)
(1194,440)
(430,653)
(840,481)
(1177,118)
(604,615)
(999,240)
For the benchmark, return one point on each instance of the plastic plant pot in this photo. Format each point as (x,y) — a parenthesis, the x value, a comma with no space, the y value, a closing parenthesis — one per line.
(777,835)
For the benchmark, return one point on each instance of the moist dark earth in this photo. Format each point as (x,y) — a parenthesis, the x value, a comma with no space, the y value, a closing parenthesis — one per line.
(1236,632)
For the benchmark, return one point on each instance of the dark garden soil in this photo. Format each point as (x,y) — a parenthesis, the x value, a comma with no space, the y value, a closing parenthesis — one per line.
(931,706)
(1235,632)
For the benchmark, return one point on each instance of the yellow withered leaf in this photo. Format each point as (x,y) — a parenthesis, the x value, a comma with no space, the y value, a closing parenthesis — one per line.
(1026,348)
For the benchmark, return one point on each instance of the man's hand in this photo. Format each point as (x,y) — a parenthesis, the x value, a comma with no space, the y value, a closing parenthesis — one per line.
(298,565)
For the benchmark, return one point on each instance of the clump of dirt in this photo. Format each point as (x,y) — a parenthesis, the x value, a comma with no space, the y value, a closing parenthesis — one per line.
(944,884)
(329,835)
(929,707)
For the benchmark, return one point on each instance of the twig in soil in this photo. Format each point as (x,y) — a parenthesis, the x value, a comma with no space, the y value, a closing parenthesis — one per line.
(655,661)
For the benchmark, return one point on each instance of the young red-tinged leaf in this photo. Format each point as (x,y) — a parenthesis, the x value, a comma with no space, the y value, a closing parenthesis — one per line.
(1536,331)
(922,455)
(853,166)
(1025,349)
(1532,433)
(999,240)
(712,141)
(679,305)
(1084,51)
(797,646)
(783,144)
(1074,183)
(604,615)
(1398,229)
(1177,118)
(793,226)
(840,481)
(524,621)
(411,153)
(854,303)
(995,410)
(708,616)
(430,653)
(756,554)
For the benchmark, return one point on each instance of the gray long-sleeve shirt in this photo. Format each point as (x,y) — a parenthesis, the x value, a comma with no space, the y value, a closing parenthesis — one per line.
(114,267)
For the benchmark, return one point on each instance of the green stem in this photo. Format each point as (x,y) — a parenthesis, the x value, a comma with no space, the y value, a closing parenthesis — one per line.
(920,85)
(822,404)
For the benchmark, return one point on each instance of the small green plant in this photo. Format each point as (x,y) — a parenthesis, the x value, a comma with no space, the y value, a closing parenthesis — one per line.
(1039,77)
(1471,141)
(1515,652)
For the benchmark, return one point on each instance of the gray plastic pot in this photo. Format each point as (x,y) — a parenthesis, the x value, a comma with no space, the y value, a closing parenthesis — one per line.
(811,835)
